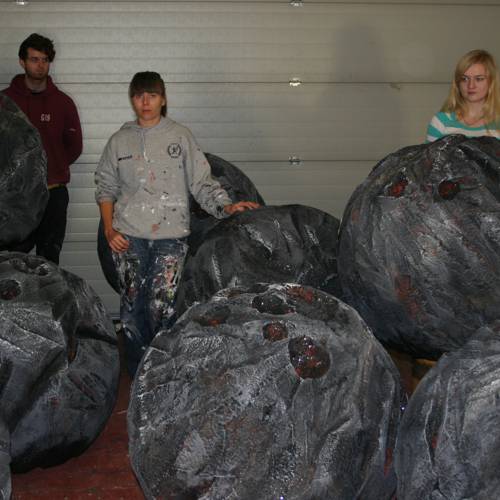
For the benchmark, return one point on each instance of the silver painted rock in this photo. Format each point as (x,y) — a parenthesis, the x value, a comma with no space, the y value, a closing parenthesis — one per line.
(279,391)
(23,175)
(274,244)
(237,185)
(449,439)
(419,245)
(59,363)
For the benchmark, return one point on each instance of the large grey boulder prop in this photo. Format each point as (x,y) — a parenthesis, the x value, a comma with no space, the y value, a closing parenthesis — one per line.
(291,243)
(239,188)
(237,185)
(449,439)
(59,363)
(23,175)
(271,392)
(419,249)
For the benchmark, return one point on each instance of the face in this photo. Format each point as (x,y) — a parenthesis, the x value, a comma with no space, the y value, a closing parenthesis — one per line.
(147,107)
(36,65)
(474,84)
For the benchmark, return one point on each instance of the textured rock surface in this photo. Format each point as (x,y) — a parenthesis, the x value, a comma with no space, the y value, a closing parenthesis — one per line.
(23,175)
(274,392)
(419,249)
(59,363)
(449,440)
(239,188)
(291,243)
(234,181)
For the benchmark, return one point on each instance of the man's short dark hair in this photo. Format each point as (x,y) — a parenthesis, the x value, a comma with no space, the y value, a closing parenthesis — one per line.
(37,42)
(148,81)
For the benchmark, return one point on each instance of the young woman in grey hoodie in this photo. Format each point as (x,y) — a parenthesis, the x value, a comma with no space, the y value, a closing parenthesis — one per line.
(144,177)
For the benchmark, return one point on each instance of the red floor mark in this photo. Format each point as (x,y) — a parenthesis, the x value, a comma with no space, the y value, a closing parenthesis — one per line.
(102,472)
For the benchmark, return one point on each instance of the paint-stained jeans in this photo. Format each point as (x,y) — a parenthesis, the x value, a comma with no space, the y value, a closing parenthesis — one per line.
(149,273)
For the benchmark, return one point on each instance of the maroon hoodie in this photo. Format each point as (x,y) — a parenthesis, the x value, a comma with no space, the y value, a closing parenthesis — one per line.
(55,116)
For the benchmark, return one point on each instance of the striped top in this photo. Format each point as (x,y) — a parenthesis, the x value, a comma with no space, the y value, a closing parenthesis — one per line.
(447,123)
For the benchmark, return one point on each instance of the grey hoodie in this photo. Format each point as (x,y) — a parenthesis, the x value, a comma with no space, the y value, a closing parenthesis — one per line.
(148,173)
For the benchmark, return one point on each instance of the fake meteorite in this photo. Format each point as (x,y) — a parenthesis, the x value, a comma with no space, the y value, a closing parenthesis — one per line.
(270,392)
(59,364)
(419,248)
(274,244)
(23,175)
(449,439)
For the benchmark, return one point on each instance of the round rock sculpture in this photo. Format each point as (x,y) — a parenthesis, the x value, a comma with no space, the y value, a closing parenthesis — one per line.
(278,391)
(23,175)
(239,188)
(449,439)
(419,249)
(237,185)
(291,243)
(59,364)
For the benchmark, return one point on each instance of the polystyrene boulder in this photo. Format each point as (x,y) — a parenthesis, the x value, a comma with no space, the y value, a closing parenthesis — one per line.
(23,175)
(419,247)
(449,439)
(273,244)
(59,364)
(278,391)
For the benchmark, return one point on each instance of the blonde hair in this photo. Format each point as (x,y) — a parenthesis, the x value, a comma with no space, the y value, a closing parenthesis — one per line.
(456,103)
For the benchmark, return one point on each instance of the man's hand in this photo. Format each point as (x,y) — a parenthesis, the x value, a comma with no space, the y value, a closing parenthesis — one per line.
(241,206)
(117,242)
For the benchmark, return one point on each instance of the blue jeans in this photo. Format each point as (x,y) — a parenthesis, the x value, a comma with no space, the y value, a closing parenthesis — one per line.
(149,273)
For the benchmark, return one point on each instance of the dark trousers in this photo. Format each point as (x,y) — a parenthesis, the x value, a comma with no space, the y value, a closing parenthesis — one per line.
(48,237)
(149,273)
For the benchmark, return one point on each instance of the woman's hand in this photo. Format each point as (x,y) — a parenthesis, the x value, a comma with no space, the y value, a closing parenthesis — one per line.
(241,206)
(117,242)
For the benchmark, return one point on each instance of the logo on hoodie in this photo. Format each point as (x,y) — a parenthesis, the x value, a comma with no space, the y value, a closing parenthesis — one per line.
(45,117)
(174,150)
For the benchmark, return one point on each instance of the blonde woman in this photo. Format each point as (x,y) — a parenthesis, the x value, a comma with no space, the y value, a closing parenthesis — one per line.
(473,105)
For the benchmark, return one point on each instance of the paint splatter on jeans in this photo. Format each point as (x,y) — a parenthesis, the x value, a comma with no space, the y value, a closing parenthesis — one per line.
(149,273)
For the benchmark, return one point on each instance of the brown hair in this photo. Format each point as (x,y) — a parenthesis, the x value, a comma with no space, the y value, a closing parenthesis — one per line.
(148,81)
(37,42)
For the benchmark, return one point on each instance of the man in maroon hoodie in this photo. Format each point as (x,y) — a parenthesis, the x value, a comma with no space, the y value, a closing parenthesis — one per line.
(55,116)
